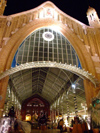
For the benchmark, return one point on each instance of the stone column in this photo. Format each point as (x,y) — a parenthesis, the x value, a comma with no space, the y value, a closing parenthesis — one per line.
(90,91)
(3,90)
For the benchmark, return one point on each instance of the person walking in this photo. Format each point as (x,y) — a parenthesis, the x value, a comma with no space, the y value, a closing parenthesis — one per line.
(61,123)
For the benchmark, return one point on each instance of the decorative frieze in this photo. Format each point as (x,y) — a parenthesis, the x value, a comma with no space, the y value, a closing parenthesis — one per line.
(96,58)
(6,39)
(9,19)
(88,48)
(97,69)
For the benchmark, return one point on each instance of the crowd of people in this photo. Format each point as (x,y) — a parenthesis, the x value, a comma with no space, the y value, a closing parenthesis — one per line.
(41,120)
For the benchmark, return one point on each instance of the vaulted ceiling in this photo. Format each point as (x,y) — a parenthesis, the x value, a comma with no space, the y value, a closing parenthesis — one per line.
(51,84)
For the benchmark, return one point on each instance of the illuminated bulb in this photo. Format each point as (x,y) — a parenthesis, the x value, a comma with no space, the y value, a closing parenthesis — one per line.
(73,86)
(44,62)
(52,64)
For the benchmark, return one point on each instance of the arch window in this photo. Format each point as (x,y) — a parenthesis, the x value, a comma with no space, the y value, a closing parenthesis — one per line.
(54,47)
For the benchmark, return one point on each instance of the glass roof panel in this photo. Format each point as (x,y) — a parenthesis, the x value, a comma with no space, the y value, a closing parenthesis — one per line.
(35,48)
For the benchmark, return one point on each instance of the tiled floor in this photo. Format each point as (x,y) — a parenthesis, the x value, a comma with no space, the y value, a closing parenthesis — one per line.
(47,131)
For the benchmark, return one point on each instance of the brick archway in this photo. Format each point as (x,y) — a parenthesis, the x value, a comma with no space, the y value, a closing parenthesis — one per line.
(9,50)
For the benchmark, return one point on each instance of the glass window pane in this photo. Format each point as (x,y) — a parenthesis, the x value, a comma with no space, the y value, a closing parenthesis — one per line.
(34,45)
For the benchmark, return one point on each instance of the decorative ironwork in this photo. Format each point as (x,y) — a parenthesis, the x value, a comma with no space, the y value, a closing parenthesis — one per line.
(82,73)
(75,105)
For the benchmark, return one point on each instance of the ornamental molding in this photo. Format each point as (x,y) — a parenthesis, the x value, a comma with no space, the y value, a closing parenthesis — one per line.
(80,72)
(97,69)
(96,58)
(45,10)
(6,39)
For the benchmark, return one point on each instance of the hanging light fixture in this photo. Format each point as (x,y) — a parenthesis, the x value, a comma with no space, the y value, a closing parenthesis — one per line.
(74,88)
(75,100)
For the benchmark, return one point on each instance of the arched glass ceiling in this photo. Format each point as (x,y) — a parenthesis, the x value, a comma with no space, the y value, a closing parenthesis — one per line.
(49,83)
(54,47)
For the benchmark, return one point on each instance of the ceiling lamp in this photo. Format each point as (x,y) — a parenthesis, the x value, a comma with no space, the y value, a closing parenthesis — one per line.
(73,88)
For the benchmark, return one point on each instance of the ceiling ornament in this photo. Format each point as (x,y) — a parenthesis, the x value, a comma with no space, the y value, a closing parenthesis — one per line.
(48,36)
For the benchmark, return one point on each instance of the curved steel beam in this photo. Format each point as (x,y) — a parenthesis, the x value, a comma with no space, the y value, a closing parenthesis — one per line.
(80,72)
